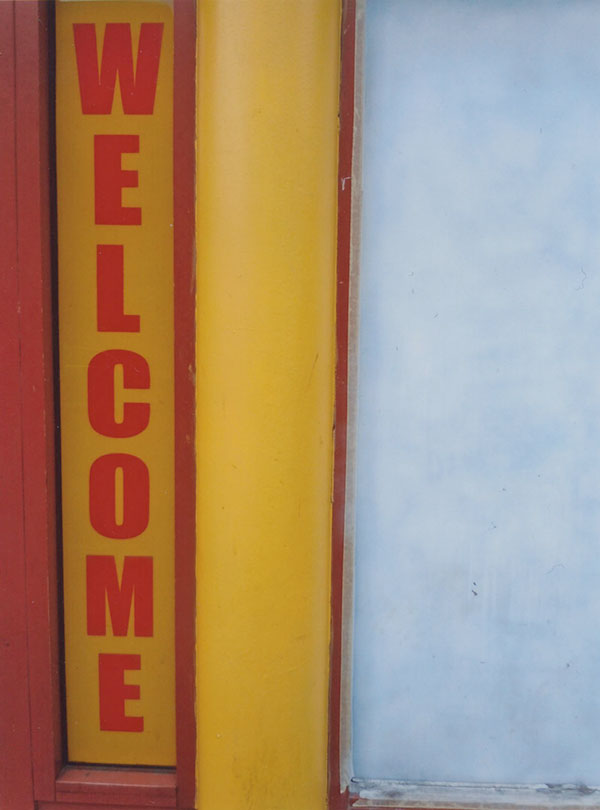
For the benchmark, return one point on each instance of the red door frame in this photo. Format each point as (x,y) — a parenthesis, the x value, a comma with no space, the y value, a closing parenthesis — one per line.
(340,799)
(33,765)
(27,704)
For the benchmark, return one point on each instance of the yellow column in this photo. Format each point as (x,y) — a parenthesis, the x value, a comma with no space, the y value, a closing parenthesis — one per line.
(266,240)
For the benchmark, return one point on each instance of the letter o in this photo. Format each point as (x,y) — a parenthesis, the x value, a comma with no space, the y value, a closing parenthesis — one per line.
(136,496)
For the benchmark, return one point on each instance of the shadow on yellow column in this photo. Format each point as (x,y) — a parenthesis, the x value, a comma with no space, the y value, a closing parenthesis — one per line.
(268,75)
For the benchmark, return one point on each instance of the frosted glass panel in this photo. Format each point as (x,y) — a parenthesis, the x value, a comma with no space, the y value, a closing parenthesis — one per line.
(477,584)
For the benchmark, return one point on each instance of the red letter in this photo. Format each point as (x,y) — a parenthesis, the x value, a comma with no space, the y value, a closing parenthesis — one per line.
(103,585)
(136,496)
(110,291)
(114,692)
(101,393)
(97,91)
(110,178)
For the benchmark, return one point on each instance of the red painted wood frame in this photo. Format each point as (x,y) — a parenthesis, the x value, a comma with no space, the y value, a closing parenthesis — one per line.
(33,767)
(340,799)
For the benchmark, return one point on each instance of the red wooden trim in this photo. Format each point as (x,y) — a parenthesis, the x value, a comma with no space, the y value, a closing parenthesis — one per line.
(184,161)
(16,786)
(91,805)
(117,786)
(336,798)
(33,198)
(112,787)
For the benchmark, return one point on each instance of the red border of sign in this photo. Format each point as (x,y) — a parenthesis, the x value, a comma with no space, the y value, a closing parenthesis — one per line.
(184,155)
(32,755)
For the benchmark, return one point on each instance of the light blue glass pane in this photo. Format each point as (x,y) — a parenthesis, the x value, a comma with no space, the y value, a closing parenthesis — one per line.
(477,603)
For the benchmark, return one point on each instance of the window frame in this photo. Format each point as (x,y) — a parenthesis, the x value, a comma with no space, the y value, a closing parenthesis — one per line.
(32,700)
(345,792)
(340,796)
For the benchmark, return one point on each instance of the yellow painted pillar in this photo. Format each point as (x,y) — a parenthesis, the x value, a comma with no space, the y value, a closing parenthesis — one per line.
(268,74)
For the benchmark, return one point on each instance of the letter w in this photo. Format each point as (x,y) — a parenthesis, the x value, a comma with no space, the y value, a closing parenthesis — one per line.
(97,89)
(136,587)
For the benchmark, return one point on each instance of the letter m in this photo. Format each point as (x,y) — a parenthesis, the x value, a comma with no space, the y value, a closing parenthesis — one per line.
(103,586)
(97,87)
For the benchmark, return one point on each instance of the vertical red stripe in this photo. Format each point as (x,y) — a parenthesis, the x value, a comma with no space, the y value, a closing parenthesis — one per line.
(34,248)
(336,798)
(16,789)
(184,157)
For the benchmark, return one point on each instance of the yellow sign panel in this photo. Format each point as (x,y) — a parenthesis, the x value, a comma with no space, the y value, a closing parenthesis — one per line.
(114,114)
